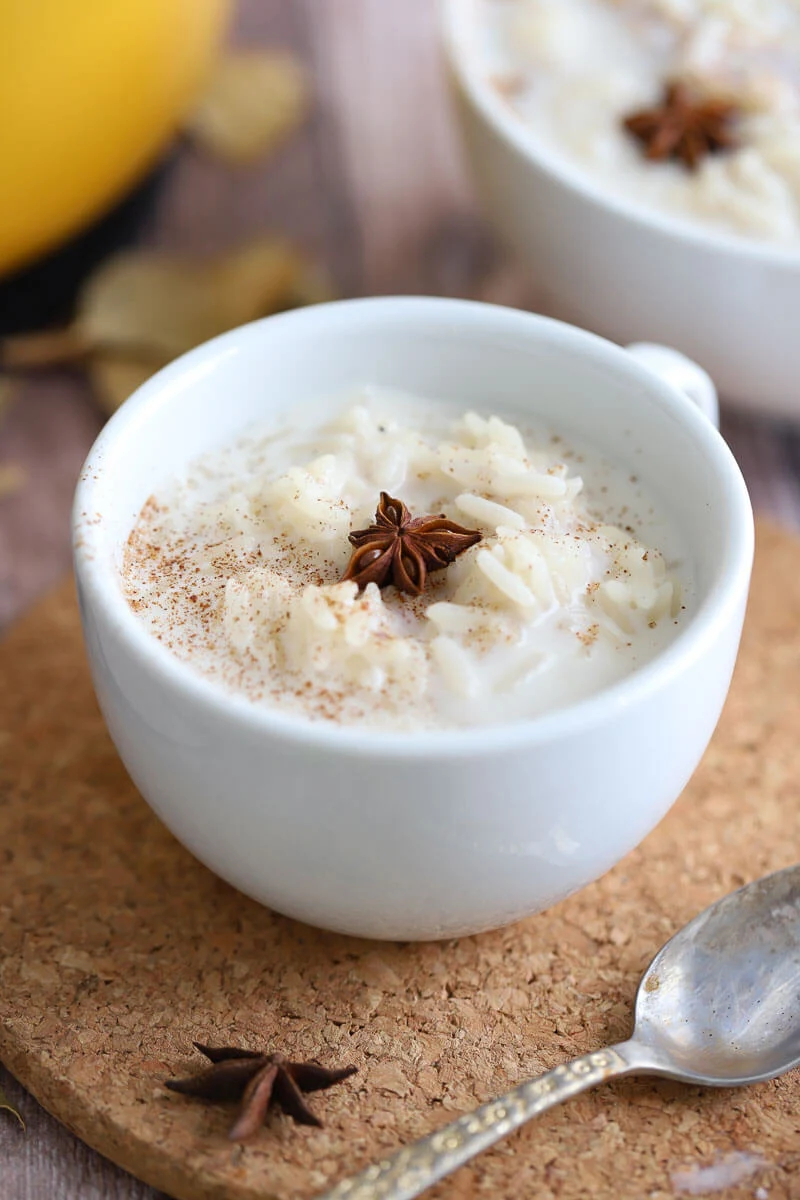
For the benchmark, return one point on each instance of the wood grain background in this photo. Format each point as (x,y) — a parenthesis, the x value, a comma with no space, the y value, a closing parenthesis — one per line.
(375,188)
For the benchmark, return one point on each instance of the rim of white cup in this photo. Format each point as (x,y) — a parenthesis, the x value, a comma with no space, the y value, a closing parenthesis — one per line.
(454,19)
(99,576)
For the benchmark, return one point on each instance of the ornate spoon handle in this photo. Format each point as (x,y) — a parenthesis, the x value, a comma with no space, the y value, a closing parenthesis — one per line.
(418,1166)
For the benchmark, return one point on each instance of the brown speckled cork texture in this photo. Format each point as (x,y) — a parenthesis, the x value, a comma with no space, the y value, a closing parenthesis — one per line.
(118,949)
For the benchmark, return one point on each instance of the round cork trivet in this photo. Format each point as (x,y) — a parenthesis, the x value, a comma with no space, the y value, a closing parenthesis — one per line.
(119,949)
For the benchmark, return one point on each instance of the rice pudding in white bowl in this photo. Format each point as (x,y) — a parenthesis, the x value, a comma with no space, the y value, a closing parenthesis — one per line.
(642,158)
(409,617)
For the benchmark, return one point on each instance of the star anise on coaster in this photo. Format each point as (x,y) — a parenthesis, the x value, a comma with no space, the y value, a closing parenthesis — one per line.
(258,1080)
(684,126)
(402,549)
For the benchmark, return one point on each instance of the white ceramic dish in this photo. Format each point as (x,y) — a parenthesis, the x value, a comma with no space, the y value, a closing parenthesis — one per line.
(619,268)
(438,833)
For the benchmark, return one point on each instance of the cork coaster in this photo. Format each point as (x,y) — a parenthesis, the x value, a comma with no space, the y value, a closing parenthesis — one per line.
(119,949)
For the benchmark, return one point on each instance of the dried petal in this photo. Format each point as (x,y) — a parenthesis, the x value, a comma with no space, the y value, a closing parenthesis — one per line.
(311,1077)
(223,1053)
(254,100)
(290,1098)
(371,563)
(226,1080)
(447,539)
(255,1103)
(376,535)
(391,513)
(408,568)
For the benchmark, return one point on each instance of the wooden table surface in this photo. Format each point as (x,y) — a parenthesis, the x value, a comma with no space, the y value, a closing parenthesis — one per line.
(375,188)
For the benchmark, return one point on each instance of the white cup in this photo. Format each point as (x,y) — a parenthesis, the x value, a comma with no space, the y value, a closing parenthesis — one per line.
(428,834)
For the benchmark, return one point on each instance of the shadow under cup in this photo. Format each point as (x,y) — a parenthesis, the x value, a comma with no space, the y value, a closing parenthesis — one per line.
(434,834)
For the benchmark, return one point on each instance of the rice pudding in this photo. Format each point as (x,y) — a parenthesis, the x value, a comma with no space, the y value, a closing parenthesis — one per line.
(574,71)
(566,575)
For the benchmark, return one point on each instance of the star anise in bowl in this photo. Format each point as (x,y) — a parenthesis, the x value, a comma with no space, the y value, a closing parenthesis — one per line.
(402,550)
(685,126)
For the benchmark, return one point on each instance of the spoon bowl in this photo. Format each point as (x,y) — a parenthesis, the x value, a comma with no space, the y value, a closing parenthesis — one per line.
(720,1002)
(719,1005)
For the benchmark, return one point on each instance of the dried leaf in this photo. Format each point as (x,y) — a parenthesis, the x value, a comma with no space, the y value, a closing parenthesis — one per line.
(44,349)
(254,100)
(114,378)
(142,308)
(7,1106)
(152,304)
(312,285)
(13,478)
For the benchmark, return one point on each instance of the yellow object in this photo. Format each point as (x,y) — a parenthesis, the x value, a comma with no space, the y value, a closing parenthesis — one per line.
(90,93)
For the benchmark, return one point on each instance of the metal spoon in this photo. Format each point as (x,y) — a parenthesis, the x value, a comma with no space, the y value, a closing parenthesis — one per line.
(718,1005)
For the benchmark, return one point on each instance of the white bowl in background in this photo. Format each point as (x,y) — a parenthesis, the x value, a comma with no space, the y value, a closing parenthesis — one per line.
(436,833)
(620,268)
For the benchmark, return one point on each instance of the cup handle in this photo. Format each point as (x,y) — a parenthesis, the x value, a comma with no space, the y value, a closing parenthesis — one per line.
(682,373)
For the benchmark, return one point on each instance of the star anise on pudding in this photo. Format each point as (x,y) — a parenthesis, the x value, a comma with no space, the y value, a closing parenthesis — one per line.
(258,1080)
(684,126)
(402,549)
